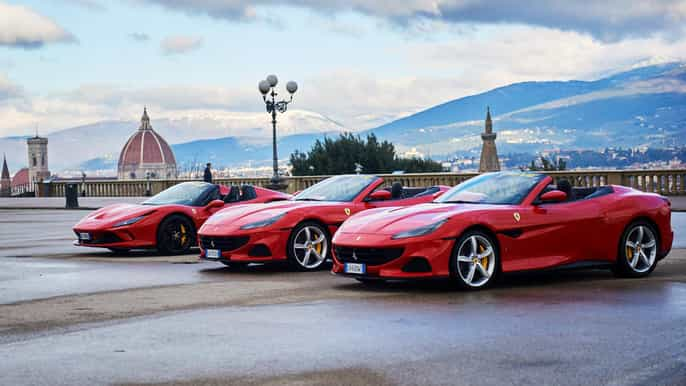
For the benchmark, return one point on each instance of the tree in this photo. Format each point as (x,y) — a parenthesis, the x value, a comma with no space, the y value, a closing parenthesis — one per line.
(339,156)
(546,165)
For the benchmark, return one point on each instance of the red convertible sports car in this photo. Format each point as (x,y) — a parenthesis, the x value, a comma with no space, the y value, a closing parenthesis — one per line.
(300,230)
(167,221)
(503,222)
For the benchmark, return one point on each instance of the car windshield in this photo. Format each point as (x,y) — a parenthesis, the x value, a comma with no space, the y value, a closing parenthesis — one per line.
(186,193)
(339,188)
(493,188)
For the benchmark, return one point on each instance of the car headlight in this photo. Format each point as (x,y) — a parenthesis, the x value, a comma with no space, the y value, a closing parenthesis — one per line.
(129,221)
(421,231)
(263,223)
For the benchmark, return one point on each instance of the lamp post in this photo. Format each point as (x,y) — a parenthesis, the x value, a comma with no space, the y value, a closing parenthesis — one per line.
(267,89)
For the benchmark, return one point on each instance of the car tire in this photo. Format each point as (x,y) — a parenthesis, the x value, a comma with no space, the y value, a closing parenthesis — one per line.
(175,235)
(475,260)
(638,250)
(308,246)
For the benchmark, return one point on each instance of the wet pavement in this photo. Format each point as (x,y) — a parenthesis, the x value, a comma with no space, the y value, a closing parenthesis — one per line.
(71,315)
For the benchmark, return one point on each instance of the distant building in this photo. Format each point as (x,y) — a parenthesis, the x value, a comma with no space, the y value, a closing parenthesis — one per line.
(21,183)
(489,154)
(146,154)
(38,160)
(5,181)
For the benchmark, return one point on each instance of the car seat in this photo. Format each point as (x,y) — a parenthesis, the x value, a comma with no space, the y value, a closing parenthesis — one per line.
(396,191)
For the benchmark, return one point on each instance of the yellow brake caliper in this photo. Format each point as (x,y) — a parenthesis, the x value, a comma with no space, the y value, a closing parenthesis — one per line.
(183,234)
(629,254)
(318,247)
(484,261)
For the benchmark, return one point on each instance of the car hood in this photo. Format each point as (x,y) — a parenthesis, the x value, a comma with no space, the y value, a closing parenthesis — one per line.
(389,221)
(113,214)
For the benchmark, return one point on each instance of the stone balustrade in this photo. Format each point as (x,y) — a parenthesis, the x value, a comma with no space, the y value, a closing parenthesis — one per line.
(668,182)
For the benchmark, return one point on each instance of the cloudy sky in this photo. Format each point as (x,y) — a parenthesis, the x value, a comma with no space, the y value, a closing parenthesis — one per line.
(359,62)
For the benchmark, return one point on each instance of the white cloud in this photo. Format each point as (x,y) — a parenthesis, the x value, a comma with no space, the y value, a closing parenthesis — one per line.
(8,89)
(22,27)
(180,44)
(606,20)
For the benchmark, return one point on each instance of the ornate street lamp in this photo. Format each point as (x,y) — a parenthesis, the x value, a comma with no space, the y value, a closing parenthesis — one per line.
(267,89)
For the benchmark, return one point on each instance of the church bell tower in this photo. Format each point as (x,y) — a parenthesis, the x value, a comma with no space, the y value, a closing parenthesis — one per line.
(489,154)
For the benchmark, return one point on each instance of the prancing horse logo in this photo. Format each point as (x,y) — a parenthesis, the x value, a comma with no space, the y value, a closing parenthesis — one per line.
(212,243)
(517,217)
(354,256)
(347,211)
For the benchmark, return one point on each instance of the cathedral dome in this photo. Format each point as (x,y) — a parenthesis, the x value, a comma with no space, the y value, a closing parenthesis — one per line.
(145,154)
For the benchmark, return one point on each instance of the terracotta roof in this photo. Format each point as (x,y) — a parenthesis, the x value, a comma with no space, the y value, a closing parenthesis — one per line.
(146,146)
(21,178)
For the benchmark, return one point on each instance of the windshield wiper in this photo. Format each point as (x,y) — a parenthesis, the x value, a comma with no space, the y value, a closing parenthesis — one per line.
(307,199)
(458,202)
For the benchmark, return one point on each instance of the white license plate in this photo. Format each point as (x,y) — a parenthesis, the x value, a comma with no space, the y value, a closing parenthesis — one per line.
(84,236)
(355,268)
(213,254)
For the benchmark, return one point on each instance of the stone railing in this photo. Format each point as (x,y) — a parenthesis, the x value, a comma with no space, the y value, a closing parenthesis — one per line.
(667,182)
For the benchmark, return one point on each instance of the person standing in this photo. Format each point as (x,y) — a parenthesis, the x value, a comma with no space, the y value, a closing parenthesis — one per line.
(208,173)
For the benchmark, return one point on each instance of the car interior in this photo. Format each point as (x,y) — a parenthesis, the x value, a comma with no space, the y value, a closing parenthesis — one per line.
(576,194)
(400,192)
(242,193)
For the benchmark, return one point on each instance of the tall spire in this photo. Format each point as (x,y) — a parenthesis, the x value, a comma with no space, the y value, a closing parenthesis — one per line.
(5,169)
(489,123)
(489,154)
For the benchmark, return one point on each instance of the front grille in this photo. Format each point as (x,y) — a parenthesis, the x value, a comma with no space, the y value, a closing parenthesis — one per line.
(223,243)
(103,238)
(369,256)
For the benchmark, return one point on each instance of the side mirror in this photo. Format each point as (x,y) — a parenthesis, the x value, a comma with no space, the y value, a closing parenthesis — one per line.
(215,204)
(380,195)
(554,196)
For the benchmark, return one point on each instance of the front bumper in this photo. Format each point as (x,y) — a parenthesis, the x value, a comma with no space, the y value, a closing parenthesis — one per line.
(128,237)
(259,245)
(421,257)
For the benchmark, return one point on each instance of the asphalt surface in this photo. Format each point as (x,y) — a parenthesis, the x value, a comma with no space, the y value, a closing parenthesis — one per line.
(71,315)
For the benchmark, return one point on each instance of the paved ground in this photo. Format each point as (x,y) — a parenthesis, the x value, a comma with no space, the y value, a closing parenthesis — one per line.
(75,316)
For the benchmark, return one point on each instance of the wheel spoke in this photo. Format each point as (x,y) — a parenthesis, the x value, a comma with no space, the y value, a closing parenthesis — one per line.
(317,255)
(644,258)
(299,246)
(482,270)
(464,259)
(649,244)
(630,244)
(475,245)
(634,260)
(308,234)
(485,253)
(320,239)
(640,235)
(470,275)
(306,259)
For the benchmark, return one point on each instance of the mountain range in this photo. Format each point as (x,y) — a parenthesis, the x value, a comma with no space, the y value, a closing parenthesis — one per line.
(644,106)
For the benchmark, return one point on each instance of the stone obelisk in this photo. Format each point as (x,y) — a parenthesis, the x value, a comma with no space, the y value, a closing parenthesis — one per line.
(489,155)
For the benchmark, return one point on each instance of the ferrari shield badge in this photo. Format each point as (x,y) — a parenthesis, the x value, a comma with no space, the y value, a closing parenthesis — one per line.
(517,217)
(347,211)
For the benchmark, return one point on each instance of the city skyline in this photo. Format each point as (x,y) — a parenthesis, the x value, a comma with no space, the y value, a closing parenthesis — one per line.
(72,62)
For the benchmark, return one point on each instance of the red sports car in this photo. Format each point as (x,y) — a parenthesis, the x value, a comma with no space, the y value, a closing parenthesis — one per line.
(504,222)
(167,221)
(300,230)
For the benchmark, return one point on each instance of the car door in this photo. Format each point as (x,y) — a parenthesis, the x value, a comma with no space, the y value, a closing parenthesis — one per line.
(552,234)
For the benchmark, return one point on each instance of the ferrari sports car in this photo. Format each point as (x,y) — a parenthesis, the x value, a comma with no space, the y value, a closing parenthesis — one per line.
(299,230)
(167,221)
(504,222)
